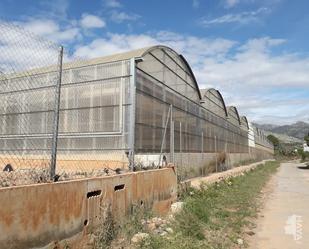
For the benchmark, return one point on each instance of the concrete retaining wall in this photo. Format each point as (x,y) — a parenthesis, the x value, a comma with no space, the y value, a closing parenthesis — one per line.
(34,216)
(221,176)
(200,164)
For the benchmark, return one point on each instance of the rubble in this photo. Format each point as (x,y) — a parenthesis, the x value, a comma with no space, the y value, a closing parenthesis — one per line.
(139,237)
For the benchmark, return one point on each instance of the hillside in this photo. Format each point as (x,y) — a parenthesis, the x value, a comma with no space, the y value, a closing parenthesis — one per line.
(284,138)
(287,133)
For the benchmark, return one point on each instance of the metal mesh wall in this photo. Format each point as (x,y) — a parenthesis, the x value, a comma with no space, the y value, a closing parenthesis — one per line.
(196,129)
(103,119)
(213,101)
(94,118)
(94,135)
(27,97)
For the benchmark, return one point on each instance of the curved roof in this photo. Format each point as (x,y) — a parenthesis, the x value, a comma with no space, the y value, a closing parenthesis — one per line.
(233,113)
(244,121)
(207,96)
(257,132)
(140,53)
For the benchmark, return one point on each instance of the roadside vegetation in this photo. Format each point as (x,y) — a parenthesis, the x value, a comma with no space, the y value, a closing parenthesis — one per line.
(304,155)
(289,151)
(215,216)
(218,216)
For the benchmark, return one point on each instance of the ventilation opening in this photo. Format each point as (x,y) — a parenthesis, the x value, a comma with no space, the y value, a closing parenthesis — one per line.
(119,187)
(94,193)
(85,222)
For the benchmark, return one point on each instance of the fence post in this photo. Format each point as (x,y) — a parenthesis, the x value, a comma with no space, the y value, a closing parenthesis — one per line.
(132,113)
(56,116)
(202,164)
(164,134)
(172,136)
(216,153)
(180,145)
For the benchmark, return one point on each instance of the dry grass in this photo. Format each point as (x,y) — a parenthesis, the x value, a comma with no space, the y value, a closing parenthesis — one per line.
(216,216)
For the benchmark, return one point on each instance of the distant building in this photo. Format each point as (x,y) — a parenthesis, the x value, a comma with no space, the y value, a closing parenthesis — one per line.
(306,147)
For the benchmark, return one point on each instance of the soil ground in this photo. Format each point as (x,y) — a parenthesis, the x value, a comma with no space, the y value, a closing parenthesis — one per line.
(283,223)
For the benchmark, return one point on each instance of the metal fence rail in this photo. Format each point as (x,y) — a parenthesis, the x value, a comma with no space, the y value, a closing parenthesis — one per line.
(94,118)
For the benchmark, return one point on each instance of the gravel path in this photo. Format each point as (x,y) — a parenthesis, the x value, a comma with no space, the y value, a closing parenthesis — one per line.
(284,220)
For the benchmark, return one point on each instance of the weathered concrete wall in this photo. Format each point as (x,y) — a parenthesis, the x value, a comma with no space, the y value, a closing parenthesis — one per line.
(200,164)
(221,176)
(35,215)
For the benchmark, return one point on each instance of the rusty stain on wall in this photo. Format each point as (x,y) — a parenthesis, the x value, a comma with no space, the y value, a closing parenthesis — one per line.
(34,216)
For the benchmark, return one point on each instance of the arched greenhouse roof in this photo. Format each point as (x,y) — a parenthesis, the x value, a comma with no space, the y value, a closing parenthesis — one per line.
(142,53)
(244,122)
(233,115)
(213,100)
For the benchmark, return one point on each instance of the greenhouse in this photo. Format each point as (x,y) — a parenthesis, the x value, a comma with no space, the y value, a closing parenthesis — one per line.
(138,108)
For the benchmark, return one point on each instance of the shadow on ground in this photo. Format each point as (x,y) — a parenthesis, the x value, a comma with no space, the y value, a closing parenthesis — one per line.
(303,167)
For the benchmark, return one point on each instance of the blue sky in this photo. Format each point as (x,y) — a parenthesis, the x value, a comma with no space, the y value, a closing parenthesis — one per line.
(256,52)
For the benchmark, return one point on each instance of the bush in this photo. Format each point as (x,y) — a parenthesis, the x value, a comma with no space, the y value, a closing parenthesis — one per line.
(303,154)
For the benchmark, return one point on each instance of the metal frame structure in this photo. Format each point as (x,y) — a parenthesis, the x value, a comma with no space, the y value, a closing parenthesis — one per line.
(113,108)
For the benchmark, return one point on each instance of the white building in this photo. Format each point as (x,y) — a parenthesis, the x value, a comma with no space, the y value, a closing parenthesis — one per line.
(306,147)
(251,142)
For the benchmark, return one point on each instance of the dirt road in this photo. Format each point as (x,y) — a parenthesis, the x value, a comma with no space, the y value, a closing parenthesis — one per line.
(284,221)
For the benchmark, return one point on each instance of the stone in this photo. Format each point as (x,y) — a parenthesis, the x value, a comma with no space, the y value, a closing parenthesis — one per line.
(91,239)
(170,217)
(151,226)
(176,207)
(158,222)
(163,233)
(251,233)
(240,241)
(143,222)
(169,230)
(158,231)
(139,237)
(163,225)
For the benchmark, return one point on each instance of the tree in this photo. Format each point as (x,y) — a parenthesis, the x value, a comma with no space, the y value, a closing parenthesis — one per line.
(306,138)
(274,140)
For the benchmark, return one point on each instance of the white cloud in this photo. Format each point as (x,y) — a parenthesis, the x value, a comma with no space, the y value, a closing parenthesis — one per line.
(231,3)
(51,30)
(21,50)
(121,16)
(265,85)
(54,9)
(112,3)
(242,18)
(195,4)
(92,21)
(114,43)
(195,48)
(248,74)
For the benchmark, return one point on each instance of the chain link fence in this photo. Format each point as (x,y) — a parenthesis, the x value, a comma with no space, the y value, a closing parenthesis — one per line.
(94,117)
(26,105)
(61,117)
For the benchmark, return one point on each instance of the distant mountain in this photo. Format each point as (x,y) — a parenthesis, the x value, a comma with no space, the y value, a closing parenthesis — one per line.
(297,130)
(284,138)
